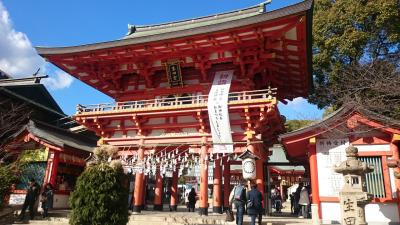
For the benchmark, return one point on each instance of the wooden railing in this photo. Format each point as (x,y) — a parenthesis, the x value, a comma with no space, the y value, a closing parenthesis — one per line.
(192,101)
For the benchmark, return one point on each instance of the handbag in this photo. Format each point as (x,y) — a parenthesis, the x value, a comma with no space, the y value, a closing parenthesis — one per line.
(229,216)
(249,204)
(43,198)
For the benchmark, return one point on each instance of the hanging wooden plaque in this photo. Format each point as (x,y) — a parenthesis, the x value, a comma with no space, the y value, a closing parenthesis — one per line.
(174,74)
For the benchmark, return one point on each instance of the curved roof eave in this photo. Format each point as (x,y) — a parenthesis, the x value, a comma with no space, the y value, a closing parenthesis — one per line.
(302,7)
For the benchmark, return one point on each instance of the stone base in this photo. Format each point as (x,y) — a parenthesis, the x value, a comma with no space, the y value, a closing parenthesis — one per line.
(203,211)
(226,208)
(217,209)
(137,208)
(173,208)
(158,207)
(315,215)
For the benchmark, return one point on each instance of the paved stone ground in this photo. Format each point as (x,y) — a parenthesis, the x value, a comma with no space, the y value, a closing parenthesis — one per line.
(60,217)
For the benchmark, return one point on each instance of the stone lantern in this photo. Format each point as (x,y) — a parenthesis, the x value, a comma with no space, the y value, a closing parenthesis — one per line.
(248,165)
(353,197)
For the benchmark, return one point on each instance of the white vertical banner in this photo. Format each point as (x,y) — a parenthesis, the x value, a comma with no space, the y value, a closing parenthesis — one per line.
(218,112)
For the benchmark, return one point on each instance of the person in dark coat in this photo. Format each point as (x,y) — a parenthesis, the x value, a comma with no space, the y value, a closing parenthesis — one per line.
(238,198)
(32,194)
(254,202)
(47,199)
(192,200)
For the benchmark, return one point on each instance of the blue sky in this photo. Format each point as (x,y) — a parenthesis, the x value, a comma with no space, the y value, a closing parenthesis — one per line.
(24,24)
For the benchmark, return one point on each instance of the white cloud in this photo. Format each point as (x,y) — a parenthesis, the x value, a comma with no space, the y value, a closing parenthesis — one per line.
(297,104)
(19,59)
(299,108)
(60,81)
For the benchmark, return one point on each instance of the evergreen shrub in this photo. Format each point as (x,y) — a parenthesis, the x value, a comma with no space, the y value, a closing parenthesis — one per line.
(100,196)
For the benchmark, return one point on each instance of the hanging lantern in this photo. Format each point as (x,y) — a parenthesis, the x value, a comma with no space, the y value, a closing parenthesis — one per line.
(248,164)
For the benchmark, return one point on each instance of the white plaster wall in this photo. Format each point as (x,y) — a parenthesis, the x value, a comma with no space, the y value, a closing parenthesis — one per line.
(186,119)
(392,183)
(117,134)
(157,132)
(236,128)
(373,148)
(330,212)
(128,123)
(114,123)
(190,130)
(131,133)
(153,121)
(375,213)
(381,213)
(60,201)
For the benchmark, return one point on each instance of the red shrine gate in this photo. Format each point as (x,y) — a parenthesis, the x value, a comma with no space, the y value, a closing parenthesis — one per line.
(160,77)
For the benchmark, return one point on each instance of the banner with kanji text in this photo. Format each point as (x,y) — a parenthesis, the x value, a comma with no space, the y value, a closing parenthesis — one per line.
(218,112)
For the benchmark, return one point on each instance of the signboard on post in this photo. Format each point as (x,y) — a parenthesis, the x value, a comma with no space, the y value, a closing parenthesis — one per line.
(330,152)
(218,112)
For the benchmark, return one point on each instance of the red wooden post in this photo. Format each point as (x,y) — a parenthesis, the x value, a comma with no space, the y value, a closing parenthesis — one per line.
(173,206)
(312,149)
(395,151)
(227,183)
(158,193)
(54,166)
(139,180)
(203,201)
(217,201)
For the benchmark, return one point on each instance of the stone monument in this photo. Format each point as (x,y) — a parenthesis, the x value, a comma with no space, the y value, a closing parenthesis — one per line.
(353,197)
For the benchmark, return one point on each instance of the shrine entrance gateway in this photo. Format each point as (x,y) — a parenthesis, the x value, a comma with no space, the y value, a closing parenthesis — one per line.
(161,77)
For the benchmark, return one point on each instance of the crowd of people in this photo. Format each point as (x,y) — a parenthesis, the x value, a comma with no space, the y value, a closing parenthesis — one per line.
(300,201)
(247,199)
(32,195)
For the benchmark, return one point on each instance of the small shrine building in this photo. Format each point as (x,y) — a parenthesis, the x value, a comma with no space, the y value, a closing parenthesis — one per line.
(197,92)
(38,138)
(321,146)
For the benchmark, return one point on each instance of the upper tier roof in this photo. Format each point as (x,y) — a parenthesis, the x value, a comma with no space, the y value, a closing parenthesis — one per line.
(276,44)
(202,25)
(139,31)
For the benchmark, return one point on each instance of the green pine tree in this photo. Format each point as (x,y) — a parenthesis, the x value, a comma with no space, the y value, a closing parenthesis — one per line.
(100,196)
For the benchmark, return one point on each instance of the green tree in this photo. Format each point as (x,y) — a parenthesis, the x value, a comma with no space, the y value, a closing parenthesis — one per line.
(8,176)
(100,196)
(292,125)
(349,34)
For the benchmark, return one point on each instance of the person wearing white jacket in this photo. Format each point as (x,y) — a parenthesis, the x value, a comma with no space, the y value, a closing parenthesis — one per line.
(304,201)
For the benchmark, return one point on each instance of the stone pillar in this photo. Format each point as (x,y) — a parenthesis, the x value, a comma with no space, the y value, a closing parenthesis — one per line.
(158,205)
(139,183)
(316,204)
(227,182)
(217,200)
(173,206)
(203,197)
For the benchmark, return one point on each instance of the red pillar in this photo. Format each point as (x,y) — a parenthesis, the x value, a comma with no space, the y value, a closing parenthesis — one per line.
(203,201)
(260,177)
(395,151)
(53,168)
(227,182)
(173,206)
(217,200)
(139,180)
(312,149)
(158,193)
